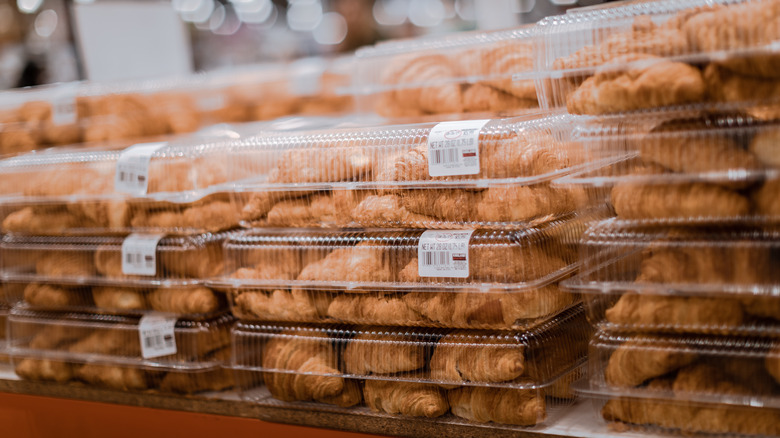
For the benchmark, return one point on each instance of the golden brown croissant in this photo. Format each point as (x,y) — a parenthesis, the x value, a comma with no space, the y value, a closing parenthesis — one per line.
(65,264)
(111,342)
(102,214)
(45,369)
(505,59)
(522,407)
(683,153)
(672,311)
(485,98)
(653,82)
(767,199)
(331,209)
(52,296)
(42,221)
(723,85)
(450,205)
(189,382)
(315,375)
(363,262)
(210,217)
(120,298)
(766,146)
(742,264)
(53,337)
(411,399)
(375,308)
(184,300)
(679,201)
(322,163)
(458,357)
(204,262)
(282,305)
(116,377)
(406,70)
(388,211)
(644,358)
(381,351)
(108,262)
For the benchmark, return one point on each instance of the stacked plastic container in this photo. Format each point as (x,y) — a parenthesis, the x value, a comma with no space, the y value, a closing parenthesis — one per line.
(105,259)
(413,269)
(123,113)
(682,284)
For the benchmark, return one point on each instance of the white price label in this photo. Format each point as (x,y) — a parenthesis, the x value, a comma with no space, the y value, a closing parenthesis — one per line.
(132,168)
(139,254)
(453,148)
(157,335)
(444,253)
(63,104)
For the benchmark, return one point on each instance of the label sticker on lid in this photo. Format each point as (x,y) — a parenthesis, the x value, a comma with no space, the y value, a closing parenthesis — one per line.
(139,254)
(453,148)
(444,253)
(132,168)
(63,104)
(157,335)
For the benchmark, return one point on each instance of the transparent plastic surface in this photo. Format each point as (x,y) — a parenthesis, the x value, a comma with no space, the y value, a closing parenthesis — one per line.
(381,176)
(3,325)
(75,261)
(454,73)
(373,277)
(192,300)
(681,279)
(84,112)
(115,340)
(655,54)
(79,191)
(707,384)
(414,373)
(685,166)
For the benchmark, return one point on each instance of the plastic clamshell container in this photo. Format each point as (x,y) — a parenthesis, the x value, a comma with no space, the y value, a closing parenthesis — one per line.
(97,260)
(106,351)
(381,176)
(74,192)
(687,383)
(3,324)
(455,73)
(417,373)
(654,54)
(684,167)
(718,279)
(372,276)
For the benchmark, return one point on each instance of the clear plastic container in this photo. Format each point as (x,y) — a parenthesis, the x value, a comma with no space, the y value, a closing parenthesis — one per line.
(423,373)
(454,73)
(509,279)
(674,279)
(169,187)
(654,54)
(501,175)
(83,112)
(117,340)
(3,324)
(685,167)
(98,261)
(687,384)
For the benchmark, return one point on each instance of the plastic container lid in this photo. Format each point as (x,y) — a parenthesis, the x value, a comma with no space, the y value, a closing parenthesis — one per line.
(658,54)
(133,261)
(454,73)
(701,279)
(684,167)
(496,173)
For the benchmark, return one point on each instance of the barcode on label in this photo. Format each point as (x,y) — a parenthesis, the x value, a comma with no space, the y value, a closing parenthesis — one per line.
(444,253)
(445,156)
(132,168)
(139,254)
(157,335)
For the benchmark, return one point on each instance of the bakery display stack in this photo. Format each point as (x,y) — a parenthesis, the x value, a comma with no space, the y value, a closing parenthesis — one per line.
(105,255)
(412,268)
(682,285)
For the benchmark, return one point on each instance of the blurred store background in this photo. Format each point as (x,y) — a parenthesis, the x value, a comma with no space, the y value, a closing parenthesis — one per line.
(46,41)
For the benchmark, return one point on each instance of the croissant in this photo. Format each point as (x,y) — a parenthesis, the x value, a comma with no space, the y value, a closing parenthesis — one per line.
(210,217)
(505,59)
(459,358)
(307,370)
(387,211)
(65,264)
(693,200)
(742,264)
(44,369)
(375,308)
(522,407)
(189,382)
(108,262)
(723,85)
(766,146)
(451,205)
(410,399)
(204,262)
(116,377)
(51,296)
(362,262)
(331,209)
(322,163)
(184,300)
(114,215)
(644,358)
(485,98)
(120,298)
(41,221)
(108,342)
(671,311)
(766,199)
(406,70)
(520,155)
(281,305)
(383,352)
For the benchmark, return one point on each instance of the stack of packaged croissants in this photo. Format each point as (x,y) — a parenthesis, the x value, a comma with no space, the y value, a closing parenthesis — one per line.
(476,228)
